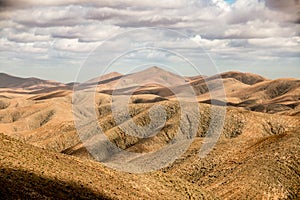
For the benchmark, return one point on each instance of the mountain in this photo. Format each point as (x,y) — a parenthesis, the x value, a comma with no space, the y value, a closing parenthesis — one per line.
(153,80)
(12,82)
(251,92)
(28,172)
(255,157)
(251,143)
(105,78)
(246,78)
(153,76)
(246,90)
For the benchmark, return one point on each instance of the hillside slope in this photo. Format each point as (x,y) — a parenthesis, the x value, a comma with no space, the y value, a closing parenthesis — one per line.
(32,173)
(8,81)
(256,156)
(259,168)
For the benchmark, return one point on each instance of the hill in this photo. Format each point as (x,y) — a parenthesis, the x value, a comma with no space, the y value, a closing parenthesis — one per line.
(256,156)
(32,173)
(8,81)
(246,90)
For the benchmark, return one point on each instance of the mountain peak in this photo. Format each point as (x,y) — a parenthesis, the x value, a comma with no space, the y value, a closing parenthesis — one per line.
(154,69)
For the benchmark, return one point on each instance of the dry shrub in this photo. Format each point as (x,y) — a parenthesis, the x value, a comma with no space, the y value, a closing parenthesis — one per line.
(233,126)
(15,116)
(3,105)
(274,127)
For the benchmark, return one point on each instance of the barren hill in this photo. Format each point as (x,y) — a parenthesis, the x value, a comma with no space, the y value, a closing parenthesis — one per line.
(237,89)
(246,90)
(32,173)
(256,156)
(105,78)
(246,78)
(8,81)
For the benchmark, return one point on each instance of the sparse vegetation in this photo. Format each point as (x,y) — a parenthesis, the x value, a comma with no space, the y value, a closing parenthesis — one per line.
(278,89)
(233,126)
(46,118)
(32,173)
(3,104)
(15,116)
(275,127)
(255,157)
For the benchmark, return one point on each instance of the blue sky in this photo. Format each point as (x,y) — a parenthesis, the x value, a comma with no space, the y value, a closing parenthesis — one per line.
(230,1)
(52,39)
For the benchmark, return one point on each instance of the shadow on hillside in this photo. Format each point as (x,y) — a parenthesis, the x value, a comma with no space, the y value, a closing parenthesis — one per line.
(18,184)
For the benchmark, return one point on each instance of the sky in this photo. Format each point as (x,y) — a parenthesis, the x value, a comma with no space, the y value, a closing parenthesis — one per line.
(75,40)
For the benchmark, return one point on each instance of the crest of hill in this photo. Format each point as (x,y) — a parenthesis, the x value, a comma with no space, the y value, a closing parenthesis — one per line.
(245,78)
(8,81)
(158,75)
(155,75)
(106,77)
(273,90)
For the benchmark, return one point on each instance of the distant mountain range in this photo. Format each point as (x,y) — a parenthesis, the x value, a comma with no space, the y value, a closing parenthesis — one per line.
(8,81)
(246,90)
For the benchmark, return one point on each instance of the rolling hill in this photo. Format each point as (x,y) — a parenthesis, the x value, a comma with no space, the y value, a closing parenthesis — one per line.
(8,81)
(256,156)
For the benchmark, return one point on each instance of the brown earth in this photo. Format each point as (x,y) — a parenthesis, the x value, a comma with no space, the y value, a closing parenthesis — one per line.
(256,157)
(28,172)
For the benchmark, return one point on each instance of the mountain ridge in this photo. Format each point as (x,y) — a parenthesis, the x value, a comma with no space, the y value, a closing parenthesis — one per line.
(247,90)
(9,81)
(255,156)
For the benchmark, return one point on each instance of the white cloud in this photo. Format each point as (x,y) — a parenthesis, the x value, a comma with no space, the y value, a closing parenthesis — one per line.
(73,45)
(49,16)
(210,44)
(259,29)
(221,4)
(58,29)
(24,37)
(276,42)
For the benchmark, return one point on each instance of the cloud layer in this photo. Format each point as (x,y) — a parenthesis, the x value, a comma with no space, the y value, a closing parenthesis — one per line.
(56,33)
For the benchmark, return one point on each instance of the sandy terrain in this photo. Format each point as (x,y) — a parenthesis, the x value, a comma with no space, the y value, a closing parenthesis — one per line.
(256,156)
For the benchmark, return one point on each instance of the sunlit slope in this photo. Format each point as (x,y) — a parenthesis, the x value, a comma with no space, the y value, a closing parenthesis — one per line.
(30,172)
